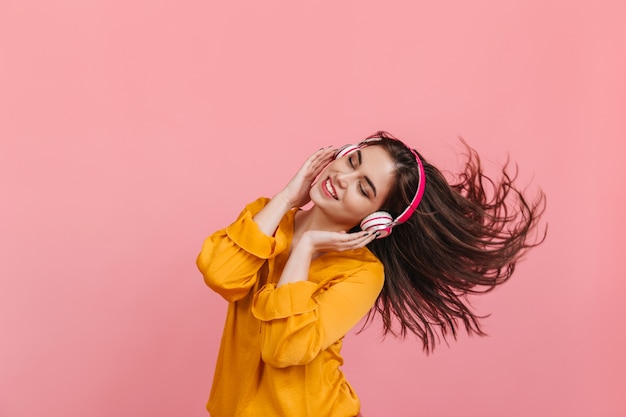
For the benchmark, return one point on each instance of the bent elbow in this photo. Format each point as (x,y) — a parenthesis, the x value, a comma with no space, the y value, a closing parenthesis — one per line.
(230,288)
(229,291)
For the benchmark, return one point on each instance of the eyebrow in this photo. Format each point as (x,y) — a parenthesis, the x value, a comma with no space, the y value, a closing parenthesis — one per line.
(358,154)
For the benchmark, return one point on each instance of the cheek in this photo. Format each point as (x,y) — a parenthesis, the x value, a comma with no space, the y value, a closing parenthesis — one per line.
(360,207)
(314,192)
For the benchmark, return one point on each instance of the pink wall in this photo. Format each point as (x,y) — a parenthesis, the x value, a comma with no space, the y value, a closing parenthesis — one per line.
(129,130)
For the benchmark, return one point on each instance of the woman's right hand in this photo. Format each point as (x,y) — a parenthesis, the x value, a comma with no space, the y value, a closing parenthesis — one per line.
(297,190)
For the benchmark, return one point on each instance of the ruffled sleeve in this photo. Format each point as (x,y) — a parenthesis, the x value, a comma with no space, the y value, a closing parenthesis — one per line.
(301,319)
(231,258)
(272,303)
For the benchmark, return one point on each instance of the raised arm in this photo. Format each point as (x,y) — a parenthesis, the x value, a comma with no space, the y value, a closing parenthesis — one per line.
(296,193)
(300,317)
(231,257)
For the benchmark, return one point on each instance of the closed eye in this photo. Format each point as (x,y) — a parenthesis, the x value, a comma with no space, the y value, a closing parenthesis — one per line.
(363,190)
(360,185)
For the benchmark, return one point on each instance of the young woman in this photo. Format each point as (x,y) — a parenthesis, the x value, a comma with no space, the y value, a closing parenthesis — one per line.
(386,234)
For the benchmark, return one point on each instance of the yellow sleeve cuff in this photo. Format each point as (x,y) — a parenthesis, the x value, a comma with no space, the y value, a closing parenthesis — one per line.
(247,235)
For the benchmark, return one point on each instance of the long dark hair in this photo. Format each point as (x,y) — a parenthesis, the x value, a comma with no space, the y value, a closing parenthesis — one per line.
(465,238)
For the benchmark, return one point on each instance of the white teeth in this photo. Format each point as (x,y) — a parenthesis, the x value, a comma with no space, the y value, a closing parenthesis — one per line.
(329,188)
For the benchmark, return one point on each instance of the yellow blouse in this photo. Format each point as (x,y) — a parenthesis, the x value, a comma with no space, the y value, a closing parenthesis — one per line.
(280,350)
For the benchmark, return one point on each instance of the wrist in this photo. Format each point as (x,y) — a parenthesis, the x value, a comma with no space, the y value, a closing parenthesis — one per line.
(285,202)
(297,267)
(305,246)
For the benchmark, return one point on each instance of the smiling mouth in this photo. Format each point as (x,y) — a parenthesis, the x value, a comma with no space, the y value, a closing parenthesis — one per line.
(330,189)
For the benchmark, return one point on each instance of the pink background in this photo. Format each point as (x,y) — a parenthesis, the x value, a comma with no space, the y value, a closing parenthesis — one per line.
(130,130)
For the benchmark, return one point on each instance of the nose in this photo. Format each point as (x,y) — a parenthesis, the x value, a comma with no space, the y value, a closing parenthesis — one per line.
(343,179)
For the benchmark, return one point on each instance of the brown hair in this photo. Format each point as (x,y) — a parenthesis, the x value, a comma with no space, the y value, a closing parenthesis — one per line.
(465,238)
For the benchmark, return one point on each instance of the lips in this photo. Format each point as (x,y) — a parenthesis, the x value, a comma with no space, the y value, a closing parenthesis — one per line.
(327,185)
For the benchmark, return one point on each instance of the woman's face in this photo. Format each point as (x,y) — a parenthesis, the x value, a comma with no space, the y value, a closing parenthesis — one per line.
(354,186)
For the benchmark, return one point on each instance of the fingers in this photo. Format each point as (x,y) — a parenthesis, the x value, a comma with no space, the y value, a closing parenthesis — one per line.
(325,241)
(320,159)
(365,239)
(321,154)
(357,240)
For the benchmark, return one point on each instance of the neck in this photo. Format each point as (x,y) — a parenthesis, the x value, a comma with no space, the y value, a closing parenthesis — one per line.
(315,219)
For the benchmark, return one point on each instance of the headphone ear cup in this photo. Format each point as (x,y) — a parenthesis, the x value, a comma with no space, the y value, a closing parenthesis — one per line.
(346,150)
(379,221)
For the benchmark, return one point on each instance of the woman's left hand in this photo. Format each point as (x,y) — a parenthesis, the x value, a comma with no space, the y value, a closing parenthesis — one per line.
(314,243)
(319,241)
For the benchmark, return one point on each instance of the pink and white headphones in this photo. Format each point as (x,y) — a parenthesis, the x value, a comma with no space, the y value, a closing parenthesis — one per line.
(381,221)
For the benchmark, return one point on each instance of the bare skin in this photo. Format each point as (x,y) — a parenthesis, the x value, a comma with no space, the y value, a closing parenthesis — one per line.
(324,227)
